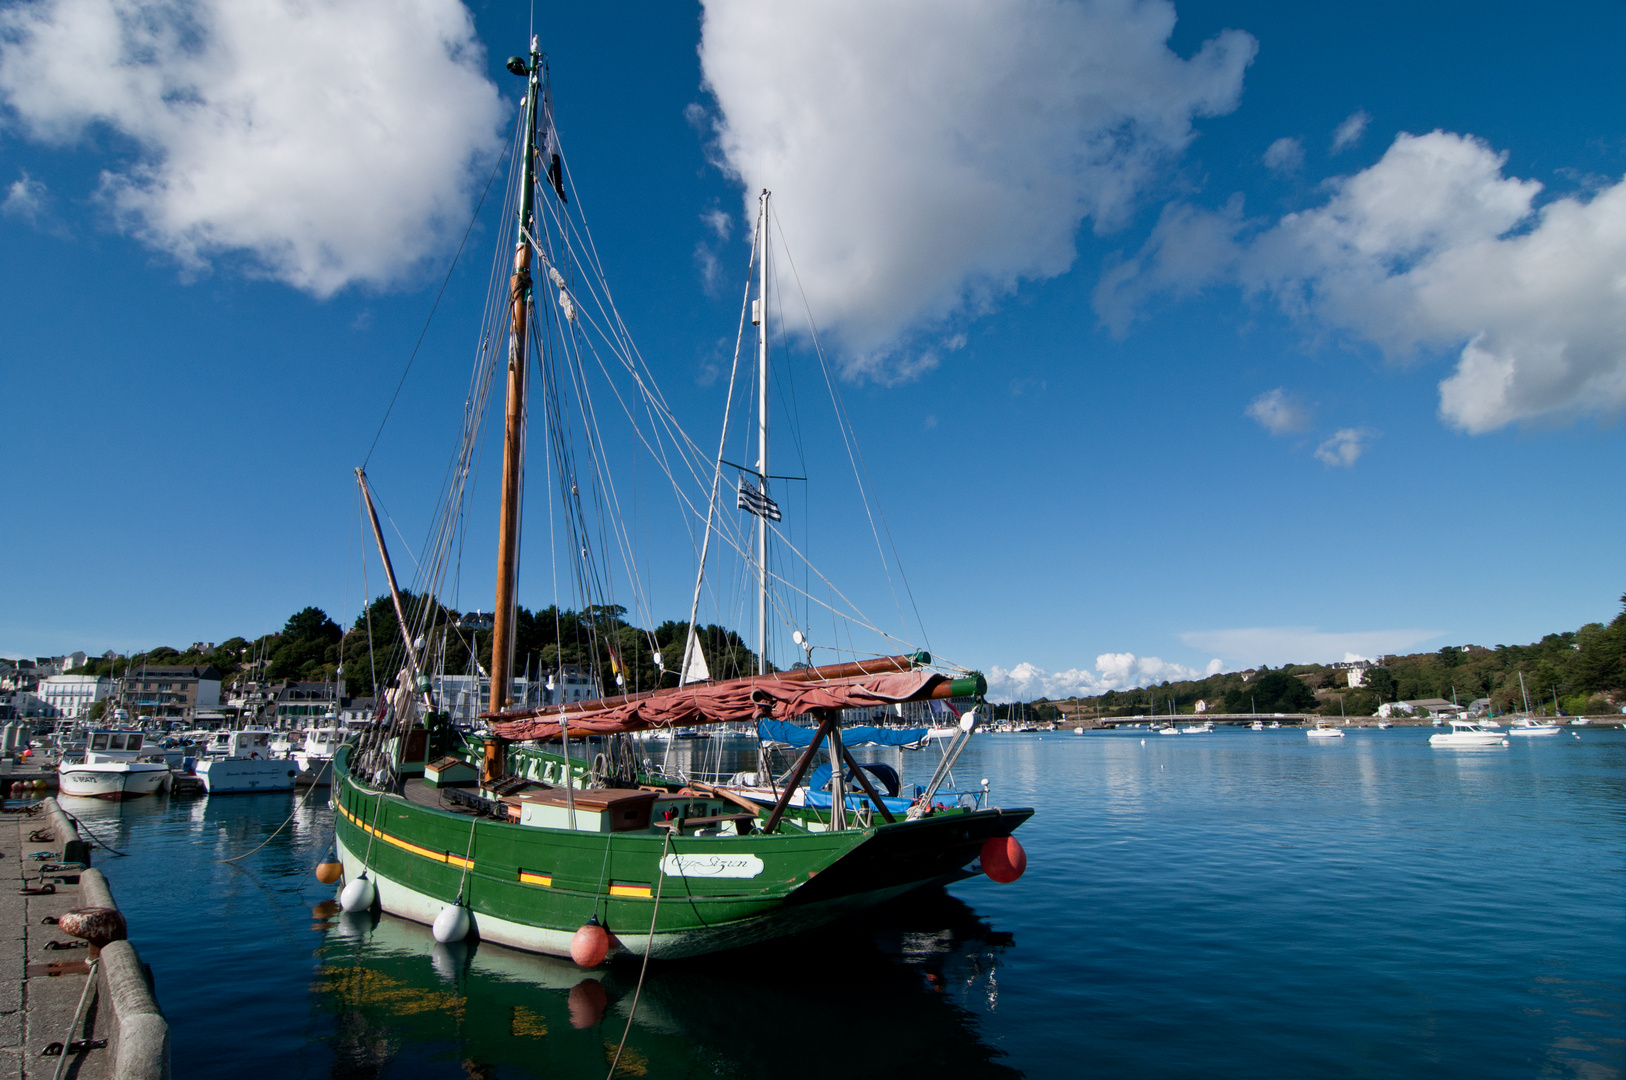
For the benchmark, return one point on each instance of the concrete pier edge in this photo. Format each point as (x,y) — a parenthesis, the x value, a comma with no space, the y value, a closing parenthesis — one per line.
(139,1035)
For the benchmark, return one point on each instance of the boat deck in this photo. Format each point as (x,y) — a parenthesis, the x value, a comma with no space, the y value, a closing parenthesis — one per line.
(418,790)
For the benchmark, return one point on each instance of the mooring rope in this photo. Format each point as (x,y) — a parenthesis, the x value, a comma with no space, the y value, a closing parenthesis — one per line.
(81,825)
(660,882)
(298,806)
(468,851)
(78,1017)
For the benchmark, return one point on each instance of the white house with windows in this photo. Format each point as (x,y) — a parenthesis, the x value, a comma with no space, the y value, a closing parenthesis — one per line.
(69,697)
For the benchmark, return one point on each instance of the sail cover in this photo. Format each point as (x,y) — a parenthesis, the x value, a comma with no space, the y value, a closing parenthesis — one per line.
(735,700)
(783,731)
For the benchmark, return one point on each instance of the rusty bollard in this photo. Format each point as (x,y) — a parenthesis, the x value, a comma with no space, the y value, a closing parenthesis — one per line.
(97,925)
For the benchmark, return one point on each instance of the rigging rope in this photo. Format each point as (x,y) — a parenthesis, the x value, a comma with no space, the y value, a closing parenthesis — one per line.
(660,883)
(432,309)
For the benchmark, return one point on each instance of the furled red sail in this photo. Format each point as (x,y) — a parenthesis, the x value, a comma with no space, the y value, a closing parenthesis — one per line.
(737,699)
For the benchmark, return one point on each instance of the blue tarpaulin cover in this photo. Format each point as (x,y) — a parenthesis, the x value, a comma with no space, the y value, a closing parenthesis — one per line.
(783,731)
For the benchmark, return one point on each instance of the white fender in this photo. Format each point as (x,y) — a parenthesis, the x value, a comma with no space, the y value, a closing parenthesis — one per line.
(452,924)
(358,895)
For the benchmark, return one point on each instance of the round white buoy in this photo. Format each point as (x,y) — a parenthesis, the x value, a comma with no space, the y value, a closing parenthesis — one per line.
(358,895)
(452,924)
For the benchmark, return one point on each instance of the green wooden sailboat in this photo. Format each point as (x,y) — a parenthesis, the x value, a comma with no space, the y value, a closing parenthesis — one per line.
(510,834)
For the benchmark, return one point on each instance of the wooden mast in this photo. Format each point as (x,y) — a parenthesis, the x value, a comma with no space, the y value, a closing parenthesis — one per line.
(519,295)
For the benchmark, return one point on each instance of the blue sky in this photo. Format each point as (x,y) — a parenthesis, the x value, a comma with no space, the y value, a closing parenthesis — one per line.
(1172,333)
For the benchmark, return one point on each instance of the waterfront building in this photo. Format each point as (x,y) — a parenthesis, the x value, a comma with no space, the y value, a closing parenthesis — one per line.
(465,696)
(170,691)
(300,703)
(570,683)
(357,710)
(24,704)
(69,697)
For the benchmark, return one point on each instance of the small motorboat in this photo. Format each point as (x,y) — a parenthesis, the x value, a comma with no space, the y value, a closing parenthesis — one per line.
(1258,725)
(1468,733)
(113,768)
(1386,724)
(1325,731)
(1523,725)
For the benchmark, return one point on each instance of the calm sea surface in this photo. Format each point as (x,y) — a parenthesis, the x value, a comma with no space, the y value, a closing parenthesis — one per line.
(1245,903)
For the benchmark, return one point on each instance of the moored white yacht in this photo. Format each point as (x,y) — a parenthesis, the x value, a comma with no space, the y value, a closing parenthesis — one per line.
(1325,731)
(1467,733)
(111,769)
(1524,725)
(242,761)
(315,757)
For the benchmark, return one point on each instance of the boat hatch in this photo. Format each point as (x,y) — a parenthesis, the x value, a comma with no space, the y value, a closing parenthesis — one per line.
(607,810)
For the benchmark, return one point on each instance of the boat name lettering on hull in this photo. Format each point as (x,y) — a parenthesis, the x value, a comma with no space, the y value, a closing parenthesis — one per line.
(714,865)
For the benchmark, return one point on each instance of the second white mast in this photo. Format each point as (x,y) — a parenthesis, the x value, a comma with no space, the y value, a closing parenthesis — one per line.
(762,439)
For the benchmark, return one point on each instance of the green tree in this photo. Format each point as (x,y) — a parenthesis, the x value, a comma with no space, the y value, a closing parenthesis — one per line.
(1381,682)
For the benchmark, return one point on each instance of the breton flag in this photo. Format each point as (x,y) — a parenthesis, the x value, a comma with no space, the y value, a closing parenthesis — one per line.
(756,501)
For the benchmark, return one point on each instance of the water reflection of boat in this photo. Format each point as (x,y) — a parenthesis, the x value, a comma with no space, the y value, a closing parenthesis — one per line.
(397,994)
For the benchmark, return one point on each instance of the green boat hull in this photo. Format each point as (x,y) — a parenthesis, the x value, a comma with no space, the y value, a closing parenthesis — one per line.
(531,888)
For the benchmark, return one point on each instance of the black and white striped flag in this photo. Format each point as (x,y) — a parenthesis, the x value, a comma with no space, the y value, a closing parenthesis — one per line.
(752,499)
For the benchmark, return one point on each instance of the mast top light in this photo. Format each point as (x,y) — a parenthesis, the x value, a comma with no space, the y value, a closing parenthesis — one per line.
(517,65)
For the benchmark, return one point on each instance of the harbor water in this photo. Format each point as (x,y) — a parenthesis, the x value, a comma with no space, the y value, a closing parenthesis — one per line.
(1237,904)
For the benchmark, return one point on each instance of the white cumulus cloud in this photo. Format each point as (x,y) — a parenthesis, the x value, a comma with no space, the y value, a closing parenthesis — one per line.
(25,199)
(1349,132)
(1432,249)
(1344,447)
(1284,156)
(1113,671)
(1280,412)
(332,141)
(926,157)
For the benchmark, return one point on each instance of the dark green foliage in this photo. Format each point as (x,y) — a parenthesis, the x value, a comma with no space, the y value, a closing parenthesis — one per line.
(1381,681)
(307,649)
(1270,692)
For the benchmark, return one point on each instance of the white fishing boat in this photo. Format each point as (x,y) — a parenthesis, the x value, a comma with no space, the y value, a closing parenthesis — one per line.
(1467,733)
(1524,725)
(242,761)
(315,758)
(1204,728)
(1258,725)
(1325,731)
(112,769)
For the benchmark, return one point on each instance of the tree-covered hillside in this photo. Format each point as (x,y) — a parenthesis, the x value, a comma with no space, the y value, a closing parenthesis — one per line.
(311,646)
(1584,670)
